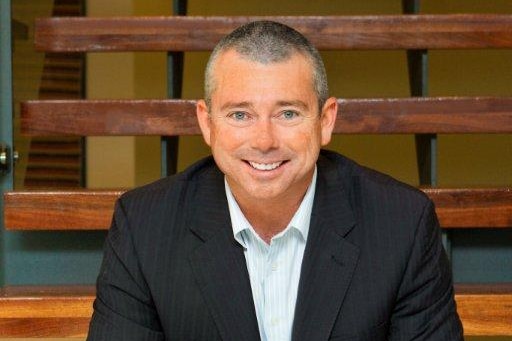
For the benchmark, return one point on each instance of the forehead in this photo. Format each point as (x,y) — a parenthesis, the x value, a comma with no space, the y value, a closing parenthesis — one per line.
(230,59)
(235,74)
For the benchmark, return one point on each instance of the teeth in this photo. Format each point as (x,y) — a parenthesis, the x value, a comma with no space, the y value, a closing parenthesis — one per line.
(265,166)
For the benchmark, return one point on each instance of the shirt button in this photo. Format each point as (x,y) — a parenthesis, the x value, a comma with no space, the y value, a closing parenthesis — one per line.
(274,267)
(274,322)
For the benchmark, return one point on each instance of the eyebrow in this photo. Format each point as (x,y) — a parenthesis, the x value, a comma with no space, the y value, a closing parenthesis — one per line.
(231,105)
(297,103)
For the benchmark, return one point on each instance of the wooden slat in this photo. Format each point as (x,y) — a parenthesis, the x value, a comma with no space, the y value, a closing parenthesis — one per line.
(59,210)
(51,184)
(44,327)
(80,210)
(355,116)
(473,207)
(326,32)
(104,117)
(61,311)
(46,301)
(57,160)
(485,309)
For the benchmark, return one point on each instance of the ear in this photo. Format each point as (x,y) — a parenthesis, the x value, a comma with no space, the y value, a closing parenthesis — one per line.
(328,119)
(203,118)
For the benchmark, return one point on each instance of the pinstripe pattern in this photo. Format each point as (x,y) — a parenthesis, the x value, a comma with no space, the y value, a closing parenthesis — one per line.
(274,269)
(373,267)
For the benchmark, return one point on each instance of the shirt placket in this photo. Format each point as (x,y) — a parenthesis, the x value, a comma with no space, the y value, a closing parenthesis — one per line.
(272,290)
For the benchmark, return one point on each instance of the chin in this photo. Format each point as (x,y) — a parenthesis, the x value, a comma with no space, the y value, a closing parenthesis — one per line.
(265,193)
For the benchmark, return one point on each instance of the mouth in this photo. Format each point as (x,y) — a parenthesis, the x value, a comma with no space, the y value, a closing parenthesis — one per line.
(265,166)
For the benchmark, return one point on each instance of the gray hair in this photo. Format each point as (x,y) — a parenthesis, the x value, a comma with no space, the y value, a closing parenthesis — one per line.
(268,42)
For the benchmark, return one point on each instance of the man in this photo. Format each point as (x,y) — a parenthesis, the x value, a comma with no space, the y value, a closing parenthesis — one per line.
(273,239)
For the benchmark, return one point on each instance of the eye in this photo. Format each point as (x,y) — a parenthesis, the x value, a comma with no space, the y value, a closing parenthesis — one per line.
(289,114)
(238,116)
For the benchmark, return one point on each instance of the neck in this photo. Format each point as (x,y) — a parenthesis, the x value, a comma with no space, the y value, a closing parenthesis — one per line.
(271,216)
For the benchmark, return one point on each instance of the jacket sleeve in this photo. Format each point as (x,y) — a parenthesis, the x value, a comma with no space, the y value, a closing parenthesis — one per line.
(123,308)
(425,308)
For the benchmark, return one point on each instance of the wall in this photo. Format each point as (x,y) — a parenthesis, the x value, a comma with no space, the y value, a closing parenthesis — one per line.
(124,161)
(129,161)
(110,160)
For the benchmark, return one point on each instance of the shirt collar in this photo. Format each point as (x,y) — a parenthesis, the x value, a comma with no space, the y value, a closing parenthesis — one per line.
(299,221)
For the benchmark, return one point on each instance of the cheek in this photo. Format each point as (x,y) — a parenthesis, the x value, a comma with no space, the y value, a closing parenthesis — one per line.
(306,140)
(226,138)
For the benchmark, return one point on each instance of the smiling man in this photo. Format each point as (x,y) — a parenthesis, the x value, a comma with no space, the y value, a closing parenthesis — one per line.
(265,125)
(272,238)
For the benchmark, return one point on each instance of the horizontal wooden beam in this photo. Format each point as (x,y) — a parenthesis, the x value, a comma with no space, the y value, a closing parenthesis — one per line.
(452,31)
(472,207)
(65,311)
(59,210)
(92,210)
(52,311)
(485,309)
(355,116)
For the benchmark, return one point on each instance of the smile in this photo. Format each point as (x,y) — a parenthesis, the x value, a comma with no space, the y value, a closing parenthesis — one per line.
(265,166)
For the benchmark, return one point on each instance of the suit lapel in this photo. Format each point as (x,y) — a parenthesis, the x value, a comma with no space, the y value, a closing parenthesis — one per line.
(219,263)
(329,260)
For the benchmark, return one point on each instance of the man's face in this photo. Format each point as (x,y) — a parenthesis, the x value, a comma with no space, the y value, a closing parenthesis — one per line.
(264,126)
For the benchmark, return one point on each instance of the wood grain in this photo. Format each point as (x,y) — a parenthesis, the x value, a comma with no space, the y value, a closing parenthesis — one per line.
(355,116)
(454,31)
(485,309)
(92,210)
(44,327)
(60,311)
(46,301)
(473,207)
(59,210)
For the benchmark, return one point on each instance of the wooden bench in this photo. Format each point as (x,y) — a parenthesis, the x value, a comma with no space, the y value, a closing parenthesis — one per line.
(30,311)
(65,311)
(41,311)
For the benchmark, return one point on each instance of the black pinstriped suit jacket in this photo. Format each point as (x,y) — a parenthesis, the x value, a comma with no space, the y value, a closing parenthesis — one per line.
(374,267)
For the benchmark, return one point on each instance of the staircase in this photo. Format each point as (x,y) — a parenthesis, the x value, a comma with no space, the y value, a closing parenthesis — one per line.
(59,311)
(56,162)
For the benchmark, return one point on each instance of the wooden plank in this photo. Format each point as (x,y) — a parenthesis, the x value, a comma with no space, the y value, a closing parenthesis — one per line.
(92,210)
(355,116)
(59,210)
(453,31)
(485,309)
(105,117)
(46,301)
(473,207)
(60,311)
(44,327)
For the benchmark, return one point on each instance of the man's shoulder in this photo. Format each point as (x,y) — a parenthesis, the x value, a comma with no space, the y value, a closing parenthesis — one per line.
(381,205)
(369,184)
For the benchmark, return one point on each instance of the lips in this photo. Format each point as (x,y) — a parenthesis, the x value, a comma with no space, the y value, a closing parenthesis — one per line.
(265,166)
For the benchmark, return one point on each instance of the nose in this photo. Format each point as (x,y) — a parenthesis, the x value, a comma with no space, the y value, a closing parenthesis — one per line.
(264,136)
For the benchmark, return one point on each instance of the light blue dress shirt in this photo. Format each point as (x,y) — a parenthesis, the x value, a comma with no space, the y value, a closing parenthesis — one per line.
(274,269)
